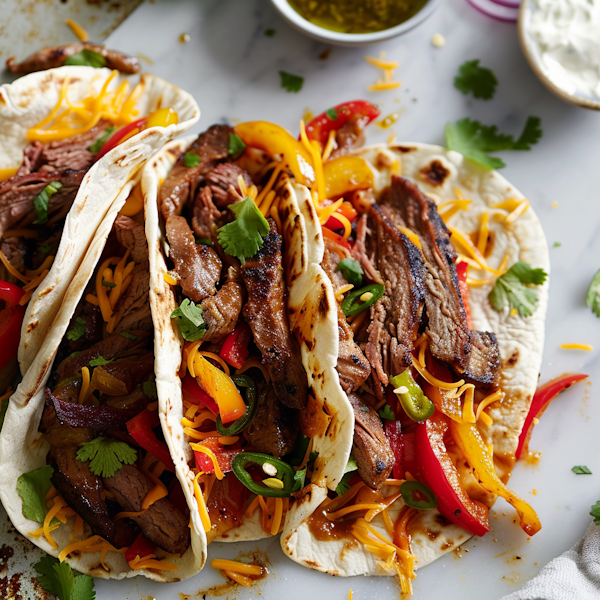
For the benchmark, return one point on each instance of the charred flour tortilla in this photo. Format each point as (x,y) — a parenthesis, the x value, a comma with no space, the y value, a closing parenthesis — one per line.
(24,104)
(102,195)
(330,425)
(439,172)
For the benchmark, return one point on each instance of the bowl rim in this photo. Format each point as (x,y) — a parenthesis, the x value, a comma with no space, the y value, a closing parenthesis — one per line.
(286,10)
(524,41)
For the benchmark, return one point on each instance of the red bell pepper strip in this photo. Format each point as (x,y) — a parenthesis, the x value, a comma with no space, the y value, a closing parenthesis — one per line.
(197,395)
(347,210)
(403,447)
(118,136)
(440,475)
(235,349)
(11,319)
(461,272)
(333,119)
(141,547)
(141,427)
(542,398)
(338,239)
(223,454)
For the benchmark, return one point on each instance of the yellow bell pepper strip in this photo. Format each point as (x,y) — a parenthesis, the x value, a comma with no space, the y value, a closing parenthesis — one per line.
(469,440)
(134,203)
(346,174)
(274,140)
(220,388)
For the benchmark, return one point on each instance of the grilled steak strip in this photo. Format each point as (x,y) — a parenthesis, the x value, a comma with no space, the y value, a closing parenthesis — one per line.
(162,523)
(50,58)
(370,448)
(181,184)
(275,428)
(352,366)
(450,340)
(266,314)
(198,265)
(132,235)
(221,312)
(396,316)
(224,185)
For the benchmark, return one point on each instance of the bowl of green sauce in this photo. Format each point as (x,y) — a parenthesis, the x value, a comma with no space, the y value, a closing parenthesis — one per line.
(354,22)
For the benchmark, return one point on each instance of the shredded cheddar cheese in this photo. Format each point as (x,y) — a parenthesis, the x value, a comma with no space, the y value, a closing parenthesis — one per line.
(412,236)
(277,516)
(587,347)
(233,566)
(78,30)
(211,455)
(204,518)
(433,380)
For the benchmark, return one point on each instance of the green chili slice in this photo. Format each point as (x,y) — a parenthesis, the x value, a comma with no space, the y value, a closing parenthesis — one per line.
(414,402)
(284,472)
(352,304)
(417,495)
(251,407)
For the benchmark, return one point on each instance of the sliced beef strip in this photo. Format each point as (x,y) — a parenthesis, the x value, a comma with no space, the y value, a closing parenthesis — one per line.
(266,313)
(92,324)
(484,362)
(205,215)
(350,135)
(197,265)
(108,348)
(447,329)
(221,312)
(181,184)
(352,366)
(359,251)
(132,310)
(16,251)
(132,235)
(275,428)
(224,185)
(131,371)
(136,401)
(50,58)
(396,316)
(371,449)
(18,193)
(31,158)
(162,523)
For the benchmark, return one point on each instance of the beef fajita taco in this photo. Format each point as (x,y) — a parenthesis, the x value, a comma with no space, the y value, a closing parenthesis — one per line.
(71,137)
(252,430)
(89,468)
(438,366)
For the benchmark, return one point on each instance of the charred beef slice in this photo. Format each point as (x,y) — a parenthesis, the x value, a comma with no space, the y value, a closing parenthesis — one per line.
(396,316)
(450,340)
(370,448)
(266,313)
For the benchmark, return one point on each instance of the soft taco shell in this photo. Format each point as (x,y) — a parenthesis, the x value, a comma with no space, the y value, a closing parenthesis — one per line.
(439,172)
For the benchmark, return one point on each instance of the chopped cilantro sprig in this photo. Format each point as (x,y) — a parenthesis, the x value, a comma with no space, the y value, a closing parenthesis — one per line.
(480,81)
(57,578)
(511,290)
(106,455)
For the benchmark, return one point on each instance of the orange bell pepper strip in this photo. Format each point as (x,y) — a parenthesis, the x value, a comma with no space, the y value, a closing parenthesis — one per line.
(469,440)
(346,174)
(273,140)
(220,388)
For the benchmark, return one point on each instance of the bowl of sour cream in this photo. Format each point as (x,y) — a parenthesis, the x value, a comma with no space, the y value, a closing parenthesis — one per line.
(561,41)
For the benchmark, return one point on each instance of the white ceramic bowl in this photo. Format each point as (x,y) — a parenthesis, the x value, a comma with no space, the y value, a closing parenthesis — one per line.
(533,58)
(350,39)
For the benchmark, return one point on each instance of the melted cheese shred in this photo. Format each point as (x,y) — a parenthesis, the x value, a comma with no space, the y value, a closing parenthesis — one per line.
(427,376)
(495,397)
(314,150)
(201,504)
(211,455)
(150,563)
(59,504)
(233,566)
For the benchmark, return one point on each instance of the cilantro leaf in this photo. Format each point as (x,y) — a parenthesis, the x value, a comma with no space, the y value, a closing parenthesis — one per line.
(236,145)
(290,82)
(42,200)
(510,289)
(557,244)
(332,114)
(128,336)
(84,588)
(98,362)
(581,470)
(351,270)
(97,145)
(33,488)
(344,485)
(106,455)
(479,80)
(475,140)
(595,512)
(191,159)
(149,389)
(387,413)
(190,321)
(77,330)
(243,237)
(299,477)
(593,295)
(86,58)
(270,32)
(57,579)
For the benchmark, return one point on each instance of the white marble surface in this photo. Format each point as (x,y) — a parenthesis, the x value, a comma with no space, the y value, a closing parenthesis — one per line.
(231,68)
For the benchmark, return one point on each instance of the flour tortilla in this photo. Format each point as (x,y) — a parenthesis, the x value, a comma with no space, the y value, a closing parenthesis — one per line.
(103,193)
(25,103)
(520,341)
(307,291)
